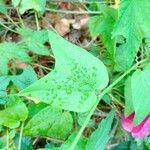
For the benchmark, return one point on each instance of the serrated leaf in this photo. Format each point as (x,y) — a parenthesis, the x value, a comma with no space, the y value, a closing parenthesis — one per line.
(72,84)
(140,86)
(3,8)
(134,27)
(8,51)
(100,137)
(34,40)
(15,112)
(50,122)
(38,5)
(103,25)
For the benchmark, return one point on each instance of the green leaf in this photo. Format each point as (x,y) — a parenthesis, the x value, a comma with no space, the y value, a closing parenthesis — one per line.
(50,122)
(134,27)
(15,3)
(21,81)
(3,8)
(100,137)
(38,5)
(128,97)
(4,82)
(103,25)
(72,84)
(80,146)
(15,112)
(8,51)
(25,79)
(34,40)
(140,86)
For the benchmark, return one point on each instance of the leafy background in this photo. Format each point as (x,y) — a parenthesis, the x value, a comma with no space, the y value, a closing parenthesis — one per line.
(69,70)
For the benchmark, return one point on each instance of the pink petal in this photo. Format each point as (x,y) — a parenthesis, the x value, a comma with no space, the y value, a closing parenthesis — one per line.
(140,126)
(143,129)
(127,122)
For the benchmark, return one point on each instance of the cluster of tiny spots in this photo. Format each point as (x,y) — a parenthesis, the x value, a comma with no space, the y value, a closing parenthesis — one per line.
(81,80)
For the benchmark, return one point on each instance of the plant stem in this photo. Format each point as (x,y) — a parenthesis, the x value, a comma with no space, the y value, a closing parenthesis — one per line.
(74,12)
(20,138)
(21,21)
(7,27)
(100,95)
(11,20)
(7,139)
(37,21)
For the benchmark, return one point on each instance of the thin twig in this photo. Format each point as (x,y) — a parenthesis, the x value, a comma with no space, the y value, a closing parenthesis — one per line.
(7,27)
(21,21)
(73,12)
(37,21)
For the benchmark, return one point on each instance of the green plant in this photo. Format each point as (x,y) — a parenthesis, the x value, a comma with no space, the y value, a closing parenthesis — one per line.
(58,107)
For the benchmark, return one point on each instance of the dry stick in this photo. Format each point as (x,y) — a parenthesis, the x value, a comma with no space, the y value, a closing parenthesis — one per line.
(74,12)
(100,95)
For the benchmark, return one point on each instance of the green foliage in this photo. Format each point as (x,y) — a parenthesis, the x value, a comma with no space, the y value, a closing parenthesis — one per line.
(16,3)
(23,80)
(104,25)
(128,97)
(72,84)
(3,8)
(34,40)
(50,122)
(80,146)
(14,112)
(8,51)
(140,95)
(133,24)
(100,137)
(24,5)
(61,114)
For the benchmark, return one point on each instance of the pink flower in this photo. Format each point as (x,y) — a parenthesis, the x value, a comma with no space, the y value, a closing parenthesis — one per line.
(139,131)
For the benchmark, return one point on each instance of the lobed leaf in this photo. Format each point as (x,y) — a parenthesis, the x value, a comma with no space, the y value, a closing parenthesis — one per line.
(72,84)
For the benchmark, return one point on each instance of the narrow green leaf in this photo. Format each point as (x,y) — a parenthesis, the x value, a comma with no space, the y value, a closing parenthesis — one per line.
(15,112)
(50,122)
(72,84)
(100,137)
